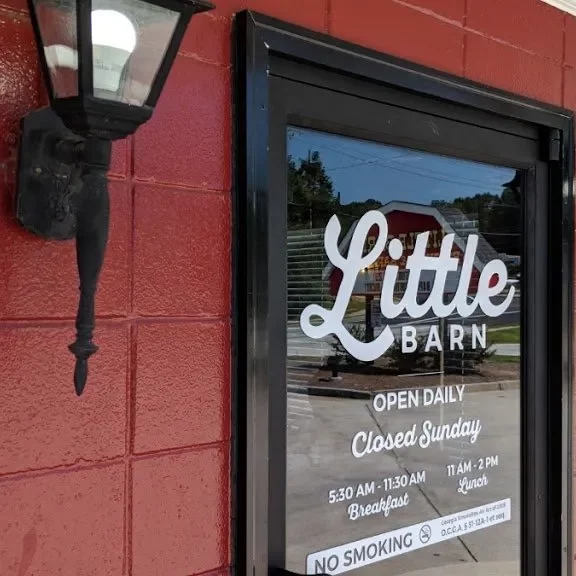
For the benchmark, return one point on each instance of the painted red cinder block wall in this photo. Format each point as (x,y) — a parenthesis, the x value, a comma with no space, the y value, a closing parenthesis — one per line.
(133,478)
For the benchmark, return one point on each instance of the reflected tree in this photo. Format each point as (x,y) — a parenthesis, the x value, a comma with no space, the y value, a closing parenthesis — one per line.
(311,198)
(498,215)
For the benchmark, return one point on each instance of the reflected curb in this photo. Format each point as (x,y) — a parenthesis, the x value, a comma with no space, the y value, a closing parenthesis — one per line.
(331,392)
(365,395)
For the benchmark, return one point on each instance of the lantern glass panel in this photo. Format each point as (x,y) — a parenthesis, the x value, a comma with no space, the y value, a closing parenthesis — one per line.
(57,26)
(129,41)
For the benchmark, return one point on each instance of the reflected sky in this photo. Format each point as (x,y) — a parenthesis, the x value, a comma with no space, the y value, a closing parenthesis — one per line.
(358,169)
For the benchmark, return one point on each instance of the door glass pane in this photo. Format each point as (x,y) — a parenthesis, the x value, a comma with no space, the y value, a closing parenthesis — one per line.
(403,361)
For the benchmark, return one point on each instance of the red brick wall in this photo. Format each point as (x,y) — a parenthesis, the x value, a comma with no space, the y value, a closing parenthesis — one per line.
(133,478)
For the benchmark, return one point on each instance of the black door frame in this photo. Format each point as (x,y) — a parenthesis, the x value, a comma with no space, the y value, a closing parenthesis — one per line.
(300,104)
(259,41)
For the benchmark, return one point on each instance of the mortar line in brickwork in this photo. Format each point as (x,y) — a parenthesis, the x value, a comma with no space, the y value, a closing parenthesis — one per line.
(564,19)
(464,54)
(178,451)
(21,475)
(61,469)
(116,177)
(215,571)
(129,439)
(216,319)
(464,39)
(198,58)
(128,515)
(179,186)
(563,76)
(52,321)
(428,12)
(131,391)
(510,45)
(56,323)
(130,152)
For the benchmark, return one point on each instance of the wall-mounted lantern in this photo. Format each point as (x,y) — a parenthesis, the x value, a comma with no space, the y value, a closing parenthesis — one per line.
(105,63)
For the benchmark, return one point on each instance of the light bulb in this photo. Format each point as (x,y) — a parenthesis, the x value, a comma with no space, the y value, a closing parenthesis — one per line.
(113,41)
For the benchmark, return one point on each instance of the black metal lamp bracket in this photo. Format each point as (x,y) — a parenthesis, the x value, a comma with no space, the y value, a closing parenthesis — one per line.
(62,194)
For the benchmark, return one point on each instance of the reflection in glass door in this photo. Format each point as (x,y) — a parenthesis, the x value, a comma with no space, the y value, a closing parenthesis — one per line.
(403,361)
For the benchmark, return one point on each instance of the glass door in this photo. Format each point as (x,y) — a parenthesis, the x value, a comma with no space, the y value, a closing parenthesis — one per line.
(403,386)
(401,338)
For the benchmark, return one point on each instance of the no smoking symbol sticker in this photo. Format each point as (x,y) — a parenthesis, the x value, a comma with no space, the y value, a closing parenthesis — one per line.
(425,534)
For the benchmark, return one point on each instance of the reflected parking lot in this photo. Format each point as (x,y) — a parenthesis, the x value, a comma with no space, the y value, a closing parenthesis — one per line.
(320,460)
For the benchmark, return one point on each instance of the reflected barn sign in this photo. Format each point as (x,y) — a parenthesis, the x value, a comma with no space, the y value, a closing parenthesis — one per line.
(405,222)
(448,266)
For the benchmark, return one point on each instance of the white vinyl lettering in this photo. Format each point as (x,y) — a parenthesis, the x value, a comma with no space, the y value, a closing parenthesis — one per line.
(456,336)
(433,339)
(478,337)
(409,342)
(331,321)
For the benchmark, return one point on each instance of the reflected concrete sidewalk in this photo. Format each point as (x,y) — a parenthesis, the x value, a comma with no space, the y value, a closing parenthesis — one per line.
(471,569)
(506,349)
